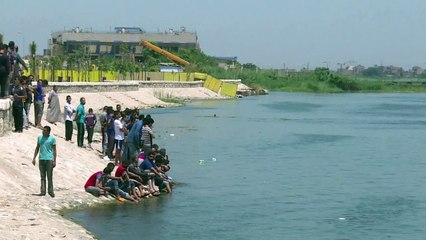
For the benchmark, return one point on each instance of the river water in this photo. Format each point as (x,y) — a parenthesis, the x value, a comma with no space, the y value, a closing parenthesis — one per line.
(284,166)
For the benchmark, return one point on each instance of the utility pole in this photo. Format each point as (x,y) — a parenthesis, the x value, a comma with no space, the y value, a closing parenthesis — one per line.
(341,66)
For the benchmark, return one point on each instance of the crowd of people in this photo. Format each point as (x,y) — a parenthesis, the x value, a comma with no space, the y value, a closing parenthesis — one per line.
(127,141)
(127,136)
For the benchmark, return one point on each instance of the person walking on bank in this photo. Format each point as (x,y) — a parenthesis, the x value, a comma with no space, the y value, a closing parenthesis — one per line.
(90,126)
(80,117)
(46,145)
(68,112)
(53,113)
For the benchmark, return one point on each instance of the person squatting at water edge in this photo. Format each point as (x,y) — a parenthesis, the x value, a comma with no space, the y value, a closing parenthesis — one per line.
(141,172)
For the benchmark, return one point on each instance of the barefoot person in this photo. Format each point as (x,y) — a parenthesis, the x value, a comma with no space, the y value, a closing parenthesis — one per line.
(46,145)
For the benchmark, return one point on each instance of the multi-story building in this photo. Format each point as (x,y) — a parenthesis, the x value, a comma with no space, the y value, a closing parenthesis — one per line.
(111,43)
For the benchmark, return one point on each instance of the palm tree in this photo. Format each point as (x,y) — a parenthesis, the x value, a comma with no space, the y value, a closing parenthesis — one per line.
(33,63)
(56,63)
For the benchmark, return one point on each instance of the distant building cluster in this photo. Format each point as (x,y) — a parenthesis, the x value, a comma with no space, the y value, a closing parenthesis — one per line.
(111,43)
(382,71)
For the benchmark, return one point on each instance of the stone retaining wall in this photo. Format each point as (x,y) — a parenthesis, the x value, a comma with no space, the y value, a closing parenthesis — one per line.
(118,86)
(170,84)
(6,118)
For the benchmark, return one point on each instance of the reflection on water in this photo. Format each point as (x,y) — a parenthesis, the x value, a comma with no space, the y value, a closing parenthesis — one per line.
(286,166)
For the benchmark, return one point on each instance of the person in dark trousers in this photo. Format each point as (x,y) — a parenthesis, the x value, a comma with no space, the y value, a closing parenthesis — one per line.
(46,145)
(39,96)
(15,61)
(69,110)
(19,95)
(110,132)
(80,117)
(4,72)
(27,105)
(90,126)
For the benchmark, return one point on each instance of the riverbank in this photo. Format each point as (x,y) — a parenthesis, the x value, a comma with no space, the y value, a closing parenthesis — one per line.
(25,216)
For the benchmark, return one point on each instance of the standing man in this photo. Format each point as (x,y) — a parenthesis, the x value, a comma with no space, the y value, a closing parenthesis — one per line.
(19,96)
(119,131)
(15,60)
(53,114)
(46,145)
(110,132)
(90,122)
(134,142)
(39,102)
(80,117)
(4,72)
(68,112)
(103,121)
(147,135)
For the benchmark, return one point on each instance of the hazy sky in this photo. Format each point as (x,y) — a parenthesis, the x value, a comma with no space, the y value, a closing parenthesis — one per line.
(268,33)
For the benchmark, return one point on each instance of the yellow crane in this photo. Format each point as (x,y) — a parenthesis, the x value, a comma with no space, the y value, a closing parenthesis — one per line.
(164,52)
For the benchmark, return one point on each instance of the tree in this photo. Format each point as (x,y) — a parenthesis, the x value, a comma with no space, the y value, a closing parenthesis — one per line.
(249,66)
(33,62)
(373,72)
(56,63)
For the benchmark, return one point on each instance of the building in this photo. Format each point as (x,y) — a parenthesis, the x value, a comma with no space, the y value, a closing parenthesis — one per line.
(226,62)
(170,67)
(112,42)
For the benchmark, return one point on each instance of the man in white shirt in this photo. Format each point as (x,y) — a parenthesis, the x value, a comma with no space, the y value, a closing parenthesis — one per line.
(119,130)
(68,112)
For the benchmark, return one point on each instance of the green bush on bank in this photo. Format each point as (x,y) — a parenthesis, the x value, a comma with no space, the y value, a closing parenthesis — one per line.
(319,80)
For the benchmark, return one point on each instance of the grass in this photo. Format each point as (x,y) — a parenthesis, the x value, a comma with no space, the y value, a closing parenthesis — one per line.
(168,97)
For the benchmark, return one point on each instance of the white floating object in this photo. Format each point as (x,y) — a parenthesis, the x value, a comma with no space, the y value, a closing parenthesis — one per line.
(342,218)
(214,159)
(172,134)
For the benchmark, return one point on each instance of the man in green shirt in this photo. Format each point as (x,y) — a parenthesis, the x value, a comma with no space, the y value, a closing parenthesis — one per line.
(46,145)
(80,117)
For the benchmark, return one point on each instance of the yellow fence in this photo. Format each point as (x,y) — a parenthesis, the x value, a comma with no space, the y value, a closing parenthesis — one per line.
(180,77)
(212,84)
(216,85)
(97,76)
(229,89)
(76,76)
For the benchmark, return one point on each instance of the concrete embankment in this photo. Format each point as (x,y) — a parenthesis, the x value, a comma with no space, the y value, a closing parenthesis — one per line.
(24,216)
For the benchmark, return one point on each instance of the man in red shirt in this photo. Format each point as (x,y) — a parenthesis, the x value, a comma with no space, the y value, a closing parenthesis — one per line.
(97,183)
(128,181)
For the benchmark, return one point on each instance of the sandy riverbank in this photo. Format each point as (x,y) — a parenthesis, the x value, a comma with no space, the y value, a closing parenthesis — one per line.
(24,216)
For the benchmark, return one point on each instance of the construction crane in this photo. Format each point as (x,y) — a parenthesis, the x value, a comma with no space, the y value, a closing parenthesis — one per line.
(164,52)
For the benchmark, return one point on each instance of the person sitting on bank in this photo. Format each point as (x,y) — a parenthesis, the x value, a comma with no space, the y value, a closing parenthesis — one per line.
(127,183)
(94,183)
(104,181)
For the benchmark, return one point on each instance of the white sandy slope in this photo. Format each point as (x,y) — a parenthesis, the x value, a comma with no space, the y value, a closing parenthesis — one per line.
(24,216)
